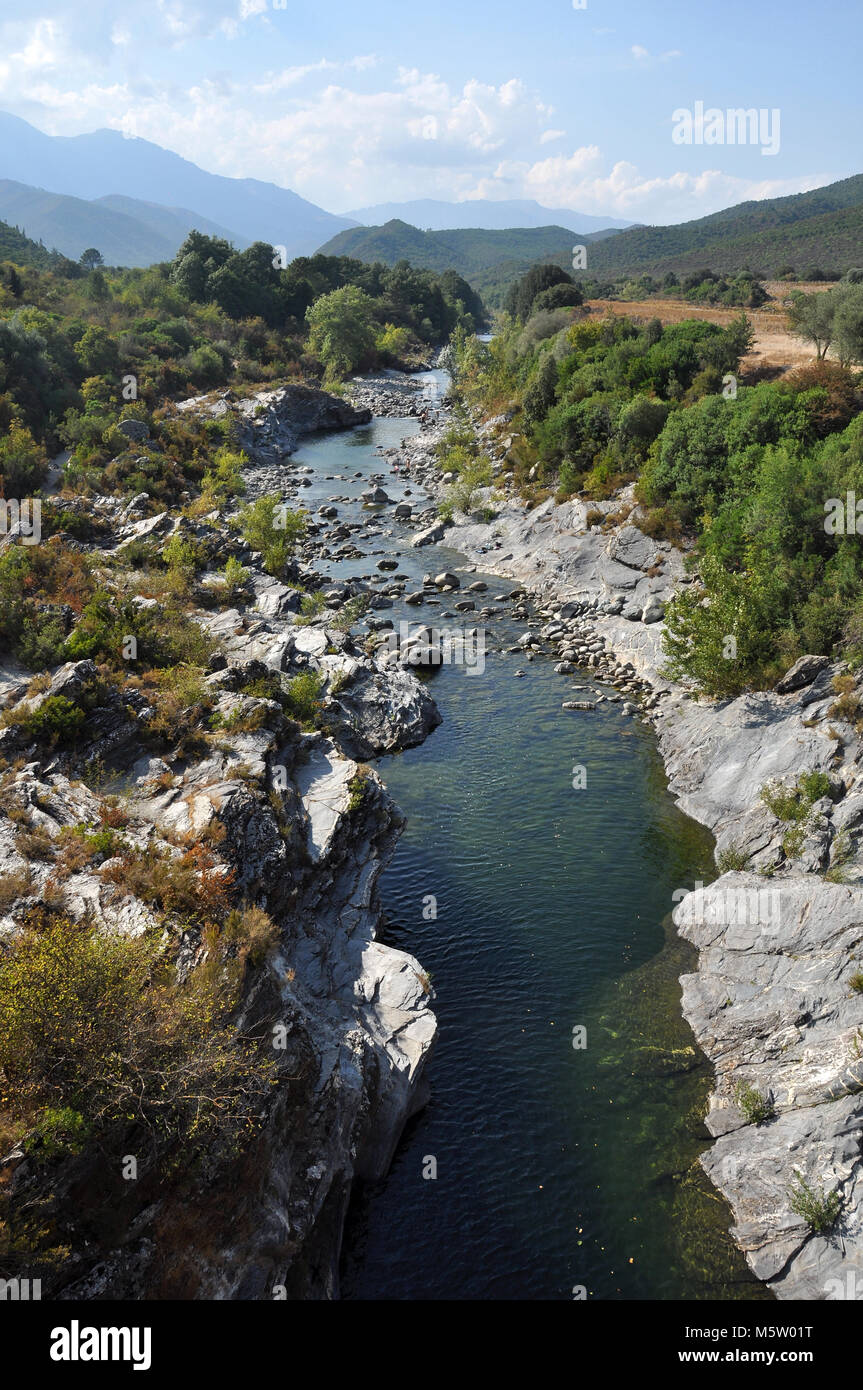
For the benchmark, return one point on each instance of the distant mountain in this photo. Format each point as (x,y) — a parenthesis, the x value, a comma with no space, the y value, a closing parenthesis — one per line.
(433,214)
(470,251)
(126,231)
(822,228)
(174,224)
(105,164)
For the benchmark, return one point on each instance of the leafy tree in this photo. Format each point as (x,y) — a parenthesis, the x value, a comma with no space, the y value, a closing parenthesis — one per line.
(342,331)
(23,462)
(91,258)
(848,323)
(811,317)
(719,637)
(521,295)
(270,527)
(97,352)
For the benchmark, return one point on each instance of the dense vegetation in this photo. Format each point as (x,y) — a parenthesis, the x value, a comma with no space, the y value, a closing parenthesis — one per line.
(81,349)
(744,474)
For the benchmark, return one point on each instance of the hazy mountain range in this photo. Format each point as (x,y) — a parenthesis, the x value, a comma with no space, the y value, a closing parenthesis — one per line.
(155,188)
(431,214)
(135,201)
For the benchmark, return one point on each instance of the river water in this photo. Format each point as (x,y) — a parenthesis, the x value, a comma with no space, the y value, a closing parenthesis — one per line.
(562,1170)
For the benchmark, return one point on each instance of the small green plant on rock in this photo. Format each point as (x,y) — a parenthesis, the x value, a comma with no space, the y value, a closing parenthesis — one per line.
(756,1107)
(311,606)
(303,698)
(358,789)
(62,1130)
(818,1208)
(732,859)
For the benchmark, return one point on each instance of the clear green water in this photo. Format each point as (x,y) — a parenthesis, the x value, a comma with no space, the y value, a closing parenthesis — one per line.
(556,1167)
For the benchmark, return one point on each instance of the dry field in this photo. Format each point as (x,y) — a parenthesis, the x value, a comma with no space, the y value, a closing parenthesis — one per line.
(775,350)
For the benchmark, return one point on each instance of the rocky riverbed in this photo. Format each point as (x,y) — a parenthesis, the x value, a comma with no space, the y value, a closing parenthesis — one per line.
(776,1002)
(301,828)
(772,1003)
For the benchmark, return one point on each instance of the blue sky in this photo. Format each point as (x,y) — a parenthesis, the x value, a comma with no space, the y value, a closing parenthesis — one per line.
(356,104)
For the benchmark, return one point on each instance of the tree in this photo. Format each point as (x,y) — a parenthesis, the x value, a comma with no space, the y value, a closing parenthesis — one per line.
(91,258)
(270,527)
(23,462)
(342,330)
(97,352)
(722,636)
(520,296)
(540,394)
(560,296)
(848,323)
(811,317)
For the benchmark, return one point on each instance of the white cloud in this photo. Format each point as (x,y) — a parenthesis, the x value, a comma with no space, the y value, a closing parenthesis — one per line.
(584,182)
(340,142)
(643,55)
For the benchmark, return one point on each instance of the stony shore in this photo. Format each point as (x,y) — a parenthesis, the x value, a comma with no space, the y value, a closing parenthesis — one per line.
(775,1002)
(305,830)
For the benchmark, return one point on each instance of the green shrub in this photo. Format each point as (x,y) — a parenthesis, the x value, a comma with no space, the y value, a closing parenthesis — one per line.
(794,804)
(236,578)
(63,1132)
(311,605)
(351,612)
(732,859)
(818,1208)
(359,788)
(303,698)
(96,1035)
(756,1107)
(271,528)
(57,721)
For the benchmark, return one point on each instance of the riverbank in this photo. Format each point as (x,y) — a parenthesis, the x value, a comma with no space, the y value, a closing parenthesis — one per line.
(248,822)
(774,1002)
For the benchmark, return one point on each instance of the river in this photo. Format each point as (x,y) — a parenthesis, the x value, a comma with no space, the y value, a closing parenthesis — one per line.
(565,1161)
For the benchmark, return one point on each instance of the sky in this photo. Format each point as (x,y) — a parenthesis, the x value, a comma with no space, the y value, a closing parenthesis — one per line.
(569,102)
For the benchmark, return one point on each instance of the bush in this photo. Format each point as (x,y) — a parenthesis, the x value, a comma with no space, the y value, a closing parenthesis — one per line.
(189,885)
(62,1132)
(756,1107)
(732,860)
(269,527)
(793,804)
(95,1035)
(303,698)
(719,637)
(311,605)
(235,578)
(818,1208)
(57,721)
